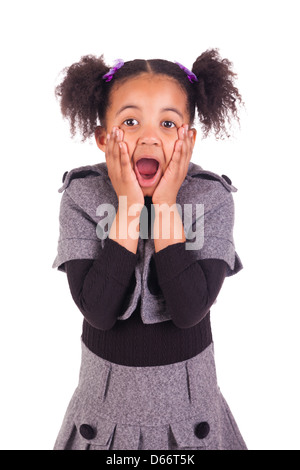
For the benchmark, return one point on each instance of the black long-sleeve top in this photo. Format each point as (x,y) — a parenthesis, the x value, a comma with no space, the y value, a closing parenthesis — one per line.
(100,289)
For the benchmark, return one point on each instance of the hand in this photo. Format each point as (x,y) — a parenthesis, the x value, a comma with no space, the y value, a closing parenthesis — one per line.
(176,171)
(120,171)
(125,183)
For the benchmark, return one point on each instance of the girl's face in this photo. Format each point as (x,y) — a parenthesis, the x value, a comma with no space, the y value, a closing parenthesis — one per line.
(149,109)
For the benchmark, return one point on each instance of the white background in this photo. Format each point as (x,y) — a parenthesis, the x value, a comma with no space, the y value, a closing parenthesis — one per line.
(256,320)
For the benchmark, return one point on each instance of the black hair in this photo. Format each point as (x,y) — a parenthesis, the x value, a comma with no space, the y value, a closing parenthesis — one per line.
(84,94)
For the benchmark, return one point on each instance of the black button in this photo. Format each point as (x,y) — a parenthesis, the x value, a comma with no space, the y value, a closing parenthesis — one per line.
(228,180)
(202,430)
(87,431)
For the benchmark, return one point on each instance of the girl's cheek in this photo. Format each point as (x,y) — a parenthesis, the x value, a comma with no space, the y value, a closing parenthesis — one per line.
(131,148)
(131,143)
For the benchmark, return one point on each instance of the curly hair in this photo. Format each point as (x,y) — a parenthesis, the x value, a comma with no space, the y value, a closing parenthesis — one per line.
(84,95)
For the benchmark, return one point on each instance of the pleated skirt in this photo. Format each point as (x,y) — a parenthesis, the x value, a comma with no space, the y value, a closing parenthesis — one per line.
(171,407)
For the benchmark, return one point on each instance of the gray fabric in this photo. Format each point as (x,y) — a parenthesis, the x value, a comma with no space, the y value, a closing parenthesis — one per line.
(86,188)
(132,408)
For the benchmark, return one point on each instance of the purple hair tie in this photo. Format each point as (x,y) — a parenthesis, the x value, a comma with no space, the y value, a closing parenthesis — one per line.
(190,75)
(117,65)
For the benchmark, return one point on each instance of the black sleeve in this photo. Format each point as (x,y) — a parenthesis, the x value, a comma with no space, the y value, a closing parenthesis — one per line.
(189,287)
(99,287)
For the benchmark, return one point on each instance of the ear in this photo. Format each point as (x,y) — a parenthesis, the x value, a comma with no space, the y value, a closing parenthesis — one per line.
(100,136)
(194,135)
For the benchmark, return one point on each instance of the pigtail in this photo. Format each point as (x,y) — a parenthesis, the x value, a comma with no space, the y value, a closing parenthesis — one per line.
(216,96)
(81,94)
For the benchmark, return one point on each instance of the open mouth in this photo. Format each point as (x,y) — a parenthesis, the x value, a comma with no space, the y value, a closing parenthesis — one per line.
(147,171)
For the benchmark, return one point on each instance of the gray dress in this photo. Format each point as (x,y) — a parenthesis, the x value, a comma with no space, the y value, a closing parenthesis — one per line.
(169,407)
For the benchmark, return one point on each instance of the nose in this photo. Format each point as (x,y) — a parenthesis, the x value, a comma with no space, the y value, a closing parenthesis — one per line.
(149,136)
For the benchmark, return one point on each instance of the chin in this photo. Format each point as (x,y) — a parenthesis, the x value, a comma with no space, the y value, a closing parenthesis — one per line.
(148,191)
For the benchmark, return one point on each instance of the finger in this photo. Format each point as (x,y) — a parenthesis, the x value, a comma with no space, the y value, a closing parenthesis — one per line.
(187,148)
(113,150)
(184,141)
(112,155)
(124,157)
(122,148)
(109,145)
(182,147)
(177,154)
(176,157)
(126,169)
(189,143)
(120,135)
(187,151)
(183,150)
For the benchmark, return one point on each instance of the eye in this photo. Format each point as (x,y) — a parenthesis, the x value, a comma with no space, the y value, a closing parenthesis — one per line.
(130,122)
(168,124)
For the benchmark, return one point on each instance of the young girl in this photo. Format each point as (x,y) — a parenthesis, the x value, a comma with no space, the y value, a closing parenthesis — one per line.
(146,243)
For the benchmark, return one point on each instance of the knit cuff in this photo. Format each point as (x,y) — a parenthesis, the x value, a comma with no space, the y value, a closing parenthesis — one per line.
(171,261)
(121,262)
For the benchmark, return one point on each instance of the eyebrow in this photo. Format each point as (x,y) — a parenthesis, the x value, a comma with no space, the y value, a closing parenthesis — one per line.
(174,110)
(132,106)
(127,106)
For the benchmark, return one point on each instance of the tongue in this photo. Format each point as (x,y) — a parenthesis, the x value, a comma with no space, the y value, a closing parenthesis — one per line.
(147,166)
